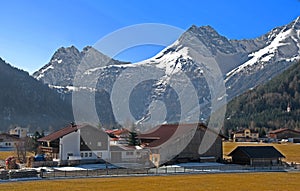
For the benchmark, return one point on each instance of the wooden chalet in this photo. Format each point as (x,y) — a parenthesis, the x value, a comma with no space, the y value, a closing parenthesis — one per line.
(256,156)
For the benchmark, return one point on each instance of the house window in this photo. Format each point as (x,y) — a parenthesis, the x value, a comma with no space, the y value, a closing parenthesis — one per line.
(129,153)
(81,154)
(69,154)
(90,154)
(99,144)
(85,154)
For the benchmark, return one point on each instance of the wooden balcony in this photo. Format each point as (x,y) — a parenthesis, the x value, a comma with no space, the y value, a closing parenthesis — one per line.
(48,149)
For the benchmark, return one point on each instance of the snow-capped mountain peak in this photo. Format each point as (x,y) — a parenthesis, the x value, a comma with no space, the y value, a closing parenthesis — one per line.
(244,64)
(170,58)
(277,49)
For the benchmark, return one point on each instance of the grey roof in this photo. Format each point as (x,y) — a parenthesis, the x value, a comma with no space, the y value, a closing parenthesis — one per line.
(258,151)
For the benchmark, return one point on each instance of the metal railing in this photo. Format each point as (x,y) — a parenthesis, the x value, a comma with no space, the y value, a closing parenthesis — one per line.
(157,171)
(52,173)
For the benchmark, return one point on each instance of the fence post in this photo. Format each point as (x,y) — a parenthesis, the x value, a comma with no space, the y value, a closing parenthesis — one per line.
(41,173)
(87,172)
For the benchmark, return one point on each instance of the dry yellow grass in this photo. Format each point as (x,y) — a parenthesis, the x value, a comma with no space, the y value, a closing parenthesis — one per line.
(291,151)
(5,154)
(229,181)
(215,182)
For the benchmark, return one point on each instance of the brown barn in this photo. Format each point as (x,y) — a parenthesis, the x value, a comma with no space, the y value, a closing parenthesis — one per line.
(165,146)
(256,156)
(284,133)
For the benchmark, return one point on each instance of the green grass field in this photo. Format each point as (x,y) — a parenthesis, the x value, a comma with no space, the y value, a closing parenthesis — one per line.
(235,181)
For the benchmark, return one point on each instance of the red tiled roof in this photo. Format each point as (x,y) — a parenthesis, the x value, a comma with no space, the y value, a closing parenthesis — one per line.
(117,132)
(283,129)
(60,133)
(160,134)
(163,133)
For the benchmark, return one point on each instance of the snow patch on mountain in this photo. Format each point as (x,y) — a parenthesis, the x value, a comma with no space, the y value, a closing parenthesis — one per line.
(43,70)
(265,54)
(172,61)
(72,88)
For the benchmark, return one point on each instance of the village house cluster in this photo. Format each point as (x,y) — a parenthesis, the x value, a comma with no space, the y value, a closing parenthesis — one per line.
(82,144)
(76,144)
(279,135)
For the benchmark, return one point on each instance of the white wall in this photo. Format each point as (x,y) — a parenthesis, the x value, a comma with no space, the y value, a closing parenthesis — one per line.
(69,144)
(85,155)
(8,144)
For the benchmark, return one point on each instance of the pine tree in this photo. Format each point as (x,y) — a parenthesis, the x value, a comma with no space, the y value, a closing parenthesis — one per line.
(132,138)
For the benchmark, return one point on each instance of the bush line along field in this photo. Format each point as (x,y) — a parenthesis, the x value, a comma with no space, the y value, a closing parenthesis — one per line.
(231,181)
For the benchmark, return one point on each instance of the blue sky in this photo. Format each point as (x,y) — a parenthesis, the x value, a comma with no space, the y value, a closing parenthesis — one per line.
(32,30)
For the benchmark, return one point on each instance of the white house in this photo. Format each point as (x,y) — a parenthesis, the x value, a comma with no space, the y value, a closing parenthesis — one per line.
(19,131)
(8,142)
(77,144)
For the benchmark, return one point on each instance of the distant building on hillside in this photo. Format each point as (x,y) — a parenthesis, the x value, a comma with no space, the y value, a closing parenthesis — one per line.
(245,135)
(289,108)
(19,131)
